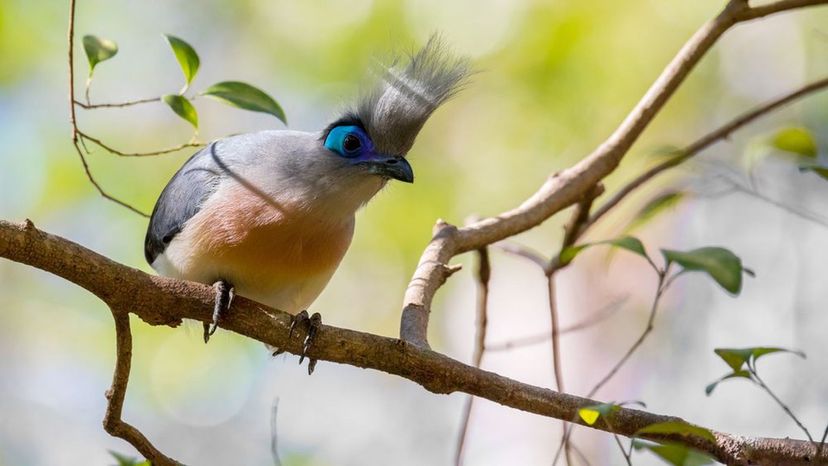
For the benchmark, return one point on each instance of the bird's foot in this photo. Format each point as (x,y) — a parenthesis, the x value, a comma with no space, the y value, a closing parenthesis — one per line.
(313,323)
(224,298)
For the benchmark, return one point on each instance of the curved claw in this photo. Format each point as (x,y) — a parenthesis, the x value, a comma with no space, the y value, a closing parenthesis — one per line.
(313,323)
(225,292)
(299,319)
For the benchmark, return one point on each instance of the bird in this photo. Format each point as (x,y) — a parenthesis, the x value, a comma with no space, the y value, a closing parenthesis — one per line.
(270,215)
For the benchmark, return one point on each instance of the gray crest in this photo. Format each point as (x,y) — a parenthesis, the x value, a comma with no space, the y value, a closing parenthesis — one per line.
(407,93)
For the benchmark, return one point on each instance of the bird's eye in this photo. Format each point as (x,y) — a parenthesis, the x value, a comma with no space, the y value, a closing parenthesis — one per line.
(348,141)
(351,144)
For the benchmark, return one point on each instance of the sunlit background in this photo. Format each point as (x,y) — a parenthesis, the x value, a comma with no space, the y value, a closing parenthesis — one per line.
(555,78)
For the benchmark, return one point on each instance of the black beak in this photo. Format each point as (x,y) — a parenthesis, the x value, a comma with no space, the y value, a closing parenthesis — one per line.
(392,167)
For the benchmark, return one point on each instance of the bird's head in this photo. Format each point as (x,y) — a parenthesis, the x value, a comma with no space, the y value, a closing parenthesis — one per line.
(349,139)
(374,135)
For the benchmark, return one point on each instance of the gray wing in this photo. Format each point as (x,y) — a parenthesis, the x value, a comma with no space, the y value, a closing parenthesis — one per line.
(182,198)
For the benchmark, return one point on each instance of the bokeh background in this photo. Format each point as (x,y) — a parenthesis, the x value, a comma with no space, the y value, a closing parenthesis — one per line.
(555,78)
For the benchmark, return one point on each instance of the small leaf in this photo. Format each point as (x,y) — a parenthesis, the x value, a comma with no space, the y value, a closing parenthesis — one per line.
(760,351)
(738,374)
(242,95)
(182,107)
(186,56)
(817,169)
(568,254)
(795,140)
(97,50)
(721,264)
(736,358)
(124,460)
(667,151)
(656,206)
(629,243)
(675,454)
(677,427)
(591,413)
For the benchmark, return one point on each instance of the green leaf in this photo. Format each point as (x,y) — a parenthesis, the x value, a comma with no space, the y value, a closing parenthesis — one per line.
(124,460)
(242,95)
(795,140)
(679,428)
(667,151)
(629,243)
(738,374)
(817,169)
(182,107)
(656,206)
(590,414)
(721,264)
(186,56)
(675,454)
(97,50)
(736,358)
(569,253)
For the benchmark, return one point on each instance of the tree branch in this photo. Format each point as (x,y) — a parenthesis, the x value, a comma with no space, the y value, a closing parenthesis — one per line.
(164,301)
(128,103)
(108,148)
(565,188)
(112,422)
(484,271)
(704,142)
(73,121)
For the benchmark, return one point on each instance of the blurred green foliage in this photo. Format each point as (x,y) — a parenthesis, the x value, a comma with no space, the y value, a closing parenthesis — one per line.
(554,79)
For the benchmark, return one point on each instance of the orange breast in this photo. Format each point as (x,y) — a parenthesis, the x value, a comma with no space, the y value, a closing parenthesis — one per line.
(262,244)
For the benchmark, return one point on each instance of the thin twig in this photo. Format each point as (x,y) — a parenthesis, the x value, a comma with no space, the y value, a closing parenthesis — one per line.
(112,422)
(520,250)
(821,443)
(556,357)
(483,277)
(660,289)
(623,450)
(779,402)
(168,150)
(274,437)
(704,142)
(597,317)
(572,231)
(74,122)
(129,103)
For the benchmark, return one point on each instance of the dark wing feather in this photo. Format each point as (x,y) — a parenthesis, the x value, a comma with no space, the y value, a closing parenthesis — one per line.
(182,198)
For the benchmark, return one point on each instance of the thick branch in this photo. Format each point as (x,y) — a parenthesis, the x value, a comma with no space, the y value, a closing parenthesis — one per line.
(164,301)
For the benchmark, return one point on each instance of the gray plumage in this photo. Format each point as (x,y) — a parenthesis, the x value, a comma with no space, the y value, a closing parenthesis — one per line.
(397,107)
(191,185)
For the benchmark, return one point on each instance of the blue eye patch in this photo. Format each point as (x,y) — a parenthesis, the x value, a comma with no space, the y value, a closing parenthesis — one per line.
(348,141)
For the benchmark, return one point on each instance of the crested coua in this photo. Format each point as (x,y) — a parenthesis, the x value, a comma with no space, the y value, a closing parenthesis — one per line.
(270,215)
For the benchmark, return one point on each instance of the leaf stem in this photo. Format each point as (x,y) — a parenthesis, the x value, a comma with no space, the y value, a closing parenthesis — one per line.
(101,144)
(781,404)
(90,106)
